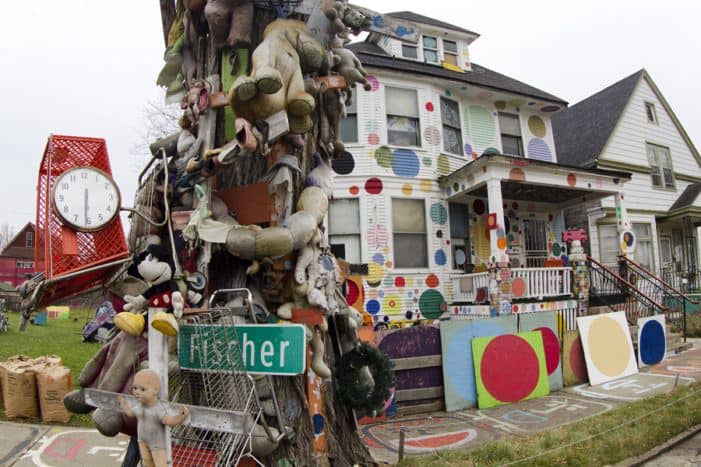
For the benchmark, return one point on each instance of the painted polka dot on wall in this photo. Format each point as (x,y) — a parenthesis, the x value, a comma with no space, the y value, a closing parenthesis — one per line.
(405,163)
(372,306)
(572,180)
(501,105)
(373,139)
(439,214)
(373,186)
(407,189)
(429,106)
(392,304)
(432,304)
(425,185)
(537,126)
(517,175)
(399,282)
(428,162)
(343,164)
(383,156)
(432,281)
(440,258)
(538,149)
(550,108)
(468,149)
(374,83)
(354,190)
(443,164)
(378,258)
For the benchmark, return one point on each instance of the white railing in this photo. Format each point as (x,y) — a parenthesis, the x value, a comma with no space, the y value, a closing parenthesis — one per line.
(465,287)
(544,282)
(539,283)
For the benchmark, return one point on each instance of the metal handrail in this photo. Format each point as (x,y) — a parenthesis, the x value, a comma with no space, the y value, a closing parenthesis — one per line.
(657,278)
(626,283)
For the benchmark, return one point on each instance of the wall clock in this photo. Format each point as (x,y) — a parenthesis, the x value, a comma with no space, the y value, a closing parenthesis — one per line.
(86,198)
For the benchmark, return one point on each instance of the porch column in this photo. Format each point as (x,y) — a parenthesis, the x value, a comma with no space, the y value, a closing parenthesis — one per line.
(499,266)
(626,236)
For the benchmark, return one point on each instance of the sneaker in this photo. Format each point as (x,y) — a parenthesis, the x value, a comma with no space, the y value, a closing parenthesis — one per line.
(131,323)
(165,323)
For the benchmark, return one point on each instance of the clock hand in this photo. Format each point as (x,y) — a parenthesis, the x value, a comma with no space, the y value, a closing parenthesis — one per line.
(86,206)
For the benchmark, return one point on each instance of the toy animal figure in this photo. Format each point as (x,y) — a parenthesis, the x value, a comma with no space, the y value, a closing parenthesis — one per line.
(151,416)
(157,270)
(276,82)
(230,22)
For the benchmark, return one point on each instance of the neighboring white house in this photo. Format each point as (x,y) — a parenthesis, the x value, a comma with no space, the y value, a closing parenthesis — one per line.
(424,170)
(630,126)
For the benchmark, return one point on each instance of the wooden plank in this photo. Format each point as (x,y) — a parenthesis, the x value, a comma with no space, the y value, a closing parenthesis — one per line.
(422,393)
(239,199)
(312,316)
(435,406)
(411,363)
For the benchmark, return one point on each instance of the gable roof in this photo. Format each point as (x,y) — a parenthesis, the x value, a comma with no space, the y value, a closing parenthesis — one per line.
(582,130)
(417,18)
(372,55)
(687,197)
(19,251)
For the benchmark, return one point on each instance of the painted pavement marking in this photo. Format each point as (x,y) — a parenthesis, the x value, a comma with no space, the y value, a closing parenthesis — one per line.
(685,364)
(631,388)
(59,447)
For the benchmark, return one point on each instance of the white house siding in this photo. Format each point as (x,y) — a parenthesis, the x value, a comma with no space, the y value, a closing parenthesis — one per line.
(639,194)
(635,218)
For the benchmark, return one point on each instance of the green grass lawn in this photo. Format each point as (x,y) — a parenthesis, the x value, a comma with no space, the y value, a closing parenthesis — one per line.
(60,337)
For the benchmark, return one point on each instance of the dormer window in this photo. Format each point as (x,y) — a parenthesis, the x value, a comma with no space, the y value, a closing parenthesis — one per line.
(430,49)
(450,52)
(511,142)
(651,113)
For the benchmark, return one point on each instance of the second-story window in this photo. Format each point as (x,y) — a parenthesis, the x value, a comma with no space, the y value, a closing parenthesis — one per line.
(349,124)
(661,170)
(344,229)
(452,136)
(402,116)
(409,233)
(459,235)
(29,239)
(410,51)
(511,142)
(450,52)
(430,49)
(651,113)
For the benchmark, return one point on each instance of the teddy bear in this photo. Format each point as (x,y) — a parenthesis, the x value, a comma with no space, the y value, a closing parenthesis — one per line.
(155,267)
(276,82)
(230,22)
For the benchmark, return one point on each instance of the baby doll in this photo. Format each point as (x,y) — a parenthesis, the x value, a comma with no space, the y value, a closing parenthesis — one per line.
(151,415)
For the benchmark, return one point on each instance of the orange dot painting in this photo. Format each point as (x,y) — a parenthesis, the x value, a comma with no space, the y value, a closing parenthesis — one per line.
(518,287)
(354,190)
(432,281)
(572,180)
(501,243)
(517,175)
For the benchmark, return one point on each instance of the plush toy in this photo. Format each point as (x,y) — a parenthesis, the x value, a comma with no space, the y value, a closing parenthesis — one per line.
(151,416)
(276,82)
(155,267)
(230,22)
(350,68)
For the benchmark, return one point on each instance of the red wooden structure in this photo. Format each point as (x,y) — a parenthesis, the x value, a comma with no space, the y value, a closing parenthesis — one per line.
(73,261)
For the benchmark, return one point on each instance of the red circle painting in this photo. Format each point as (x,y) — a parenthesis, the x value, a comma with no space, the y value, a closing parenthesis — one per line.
(399,282)
(577,363)
(352,292)
(373,186)
(572,180)
(432,281)
(518,287)
(509,368)
(551,345)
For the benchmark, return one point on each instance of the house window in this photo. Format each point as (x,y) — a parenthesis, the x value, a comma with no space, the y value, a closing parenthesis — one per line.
(450,52)
(409,233)
(25,264)
(651,113)
(344,229)
(609,248)
(349,124)
(430,49)
(402,116)
(643,247)
(660,162)
(410,51)
(29,239)
(511,142)
(459,235)
(452,136)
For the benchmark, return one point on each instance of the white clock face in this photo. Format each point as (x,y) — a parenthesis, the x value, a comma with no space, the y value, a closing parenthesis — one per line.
(86,198)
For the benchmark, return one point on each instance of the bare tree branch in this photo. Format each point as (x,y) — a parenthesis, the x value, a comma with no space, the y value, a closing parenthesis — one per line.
(7,233)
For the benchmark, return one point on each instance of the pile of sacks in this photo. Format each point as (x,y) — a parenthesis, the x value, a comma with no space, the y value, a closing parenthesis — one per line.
(35,386)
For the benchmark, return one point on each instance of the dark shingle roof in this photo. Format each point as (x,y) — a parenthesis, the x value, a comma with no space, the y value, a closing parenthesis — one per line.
(582,130)
(417,18)
(372,55)
(688,197)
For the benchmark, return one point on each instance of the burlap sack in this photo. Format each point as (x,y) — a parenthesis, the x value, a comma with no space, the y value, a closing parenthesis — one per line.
(20,390)
(53,383)
(51,360)
(12,359)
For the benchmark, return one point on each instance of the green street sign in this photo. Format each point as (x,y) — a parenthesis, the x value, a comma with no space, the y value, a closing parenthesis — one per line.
(271,349)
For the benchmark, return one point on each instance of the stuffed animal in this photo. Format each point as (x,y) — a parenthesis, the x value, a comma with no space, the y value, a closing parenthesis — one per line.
(276,82)
(230,22)
(151,416)
(155,267)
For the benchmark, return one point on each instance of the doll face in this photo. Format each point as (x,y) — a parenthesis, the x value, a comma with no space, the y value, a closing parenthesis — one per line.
(144,390)
(153,270)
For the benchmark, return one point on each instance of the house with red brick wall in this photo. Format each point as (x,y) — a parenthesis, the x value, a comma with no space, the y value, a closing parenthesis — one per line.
(17,258)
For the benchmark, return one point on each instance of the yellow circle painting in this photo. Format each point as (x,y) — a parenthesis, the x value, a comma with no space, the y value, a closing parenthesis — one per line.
(608,346)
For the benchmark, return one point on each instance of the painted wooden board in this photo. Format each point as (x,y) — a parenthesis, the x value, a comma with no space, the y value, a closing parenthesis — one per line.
(509,368)
(652,340)
(608,348)
(574,368)
(460,390)
(546,323)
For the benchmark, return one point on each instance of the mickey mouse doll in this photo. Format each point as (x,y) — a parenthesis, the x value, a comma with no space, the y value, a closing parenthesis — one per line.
(156,268)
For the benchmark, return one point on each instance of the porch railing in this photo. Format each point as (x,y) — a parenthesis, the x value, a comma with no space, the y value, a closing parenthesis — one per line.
(539,283)
(685,280)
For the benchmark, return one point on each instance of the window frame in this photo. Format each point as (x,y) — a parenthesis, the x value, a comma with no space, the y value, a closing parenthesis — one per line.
(455,54)
(348,114)
(358,234)
(651,113)
(398,264)
(461,150)
(29,239)
(437,49)
(415,48)
(417,118)
(518,137)
(662,154)
(467,247)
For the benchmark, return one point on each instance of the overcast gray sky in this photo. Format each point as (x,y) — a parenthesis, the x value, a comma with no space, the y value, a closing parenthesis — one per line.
(87,67)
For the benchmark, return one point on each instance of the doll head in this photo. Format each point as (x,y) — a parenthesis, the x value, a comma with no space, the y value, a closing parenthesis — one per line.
(146,386)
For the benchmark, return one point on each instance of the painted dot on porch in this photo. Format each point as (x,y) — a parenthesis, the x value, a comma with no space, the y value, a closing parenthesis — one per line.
(539,150)
(484,95)
(501,243)
(433,135)
(440,258)
(443,164)
(407,189)
(373,186)
(318,424)
(518,287)
(439,234)
(550,108)
(432,304)
(388,264)
(509,379)
(460,257)
(439,214)
(501,105)
(409,314)
(372,306)
(481,295)
(399,282)
(429,106)
(432,281)
(537,126)
(383,157)
(343,164)
(652,343)
(478,207)
(551,345)
(373,139)
(427,161)
(517,175)
(381,293)
(392,304)
(572,180)
(405,163)
(372,293)
(468,149)
(374,82)
(354,190)
(378,258)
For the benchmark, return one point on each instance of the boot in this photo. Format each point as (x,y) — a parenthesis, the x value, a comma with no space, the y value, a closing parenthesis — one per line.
(130,323)
(165,323)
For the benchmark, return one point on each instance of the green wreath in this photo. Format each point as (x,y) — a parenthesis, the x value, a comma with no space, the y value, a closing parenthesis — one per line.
(352,390)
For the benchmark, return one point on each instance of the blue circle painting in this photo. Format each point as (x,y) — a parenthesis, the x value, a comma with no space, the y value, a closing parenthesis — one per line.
(652,343)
